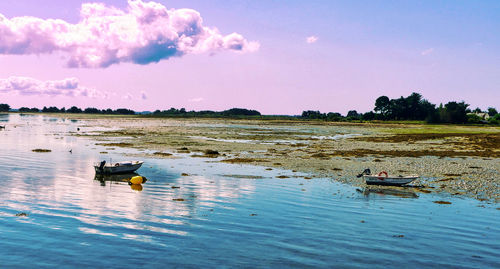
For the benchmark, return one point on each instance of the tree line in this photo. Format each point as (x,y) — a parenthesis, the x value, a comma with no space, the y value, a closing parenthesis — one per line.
(173,112)
(413,107)
(73,109)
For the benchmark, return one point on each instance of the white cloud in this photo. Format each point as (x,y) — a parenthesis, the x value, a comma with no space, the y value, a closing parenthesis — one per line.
(127,96)
(427,51)
(196,100)
(145,32)
(312,39)
(30,86)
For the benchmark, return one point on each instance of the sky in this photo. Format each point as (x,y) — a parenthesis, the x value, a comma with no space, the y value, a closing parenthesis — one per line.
(278,57)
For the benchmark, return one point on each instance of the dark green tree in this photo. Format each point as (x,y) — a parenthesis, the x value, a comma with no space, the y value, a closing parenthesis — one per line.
(4,107)
(382,106)
(91,110)
(353,114)
(492,111)
(51,109)
(124,111)
(368,116)
(74,109)
(333,116)
(240,112)
(311,114)
(454,112)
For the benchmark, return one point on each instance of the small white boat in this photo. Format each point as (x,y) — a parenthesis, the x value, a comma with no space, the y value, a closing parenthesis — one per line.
(117,168)
(383,178)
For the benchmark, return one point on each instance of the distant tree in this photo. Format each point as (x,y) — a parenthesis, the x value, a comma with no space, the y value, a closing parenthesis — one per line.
(206,112)
(454,112)
(495,119)
(333,116)
(51,109)
(477,110)
(492,111)
(382,105)
(368,116)
(473,118)
(413,107)
(27,109)
(353,114)
(311,114)
(74,109)
(4,107)
(240,112)
(398,109)
(427,111)
(124,111)
(92,110)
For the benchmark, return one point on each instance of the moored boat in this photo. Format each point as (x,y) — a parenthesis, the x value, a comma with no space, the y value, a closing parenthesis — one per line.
(383,178)
(117,168)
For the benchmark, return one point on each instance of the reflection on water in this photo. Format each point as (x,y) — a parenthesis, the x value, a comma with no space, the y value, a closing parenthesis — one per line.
(122,178)
(216,216)
(376,192)
(117,177)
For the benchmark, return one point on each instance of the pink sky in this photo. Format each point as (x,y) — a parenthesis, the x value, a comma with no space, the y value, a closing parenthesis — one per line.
(259,55)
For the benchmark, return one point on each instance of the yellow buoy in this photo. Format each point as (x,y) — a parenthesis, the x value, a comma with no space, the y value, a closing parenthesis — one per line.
(136,180)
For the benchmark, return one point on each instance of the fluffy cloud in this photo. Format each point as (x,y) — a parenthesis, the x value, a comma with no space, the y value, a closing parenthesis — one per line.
(311,39)
(145,32)
(30,86)
(127,96)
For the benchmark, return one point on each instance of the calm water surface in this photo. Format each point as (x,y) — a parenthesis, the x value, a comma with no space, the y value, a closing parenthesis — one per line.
(224,220)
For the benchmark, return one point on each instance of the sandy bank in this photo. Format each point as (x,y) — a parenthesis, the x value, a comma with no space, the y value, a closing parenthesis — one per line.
(459,160)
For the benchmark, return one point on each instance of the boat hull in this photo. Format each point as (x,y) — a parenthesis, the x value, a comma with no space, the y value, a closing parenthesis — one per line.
(388,181)
(119,168)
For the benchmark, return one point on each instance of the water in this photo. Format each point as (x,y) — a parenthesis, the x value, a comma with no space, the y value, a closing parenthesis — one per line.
(231,215)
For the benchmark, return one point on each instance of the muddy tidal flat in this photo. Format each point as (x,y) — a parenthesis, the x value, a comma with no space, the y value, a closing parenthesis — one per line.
(454,160)
(253,194)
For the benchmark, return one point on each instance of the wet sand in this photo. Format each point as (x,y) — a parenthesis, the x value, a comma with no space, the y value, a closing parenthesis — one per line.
(454,160)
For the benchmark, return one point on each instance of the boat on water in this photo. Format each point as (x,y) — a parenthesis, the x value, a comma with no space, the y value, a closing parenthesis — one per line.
(117,168)
(383,178)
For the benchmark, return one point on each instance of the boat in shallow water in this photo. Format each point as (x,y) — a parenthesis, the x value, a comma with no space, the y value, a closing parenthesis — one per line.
(117,168)
(383,178)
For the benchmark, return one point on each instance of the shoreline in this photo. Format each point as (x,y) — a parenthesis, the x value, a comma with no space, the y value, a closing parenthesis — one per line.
(460,160)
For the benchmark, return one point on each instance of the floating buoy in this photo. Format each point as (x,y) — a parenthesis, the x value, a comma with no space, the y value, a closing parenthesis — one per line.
(136,180)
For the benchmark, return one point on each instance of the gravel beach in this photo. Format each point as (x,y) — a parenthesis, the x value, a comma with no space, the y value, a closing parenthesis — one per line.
(453,160)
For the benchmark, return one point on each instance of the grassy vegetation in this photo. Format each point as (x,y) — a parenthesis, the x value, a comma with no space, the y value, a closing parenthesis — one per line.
(389,126)
(443,129)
